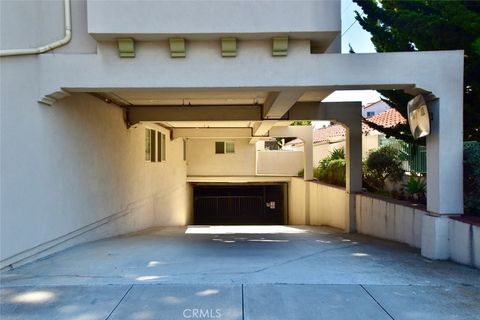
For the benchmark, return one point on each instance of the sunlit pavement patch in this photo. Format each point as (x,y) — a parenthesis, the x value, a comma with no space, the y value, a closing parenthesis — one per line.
(321,302)
(60,302)
(233,302)
(181,302)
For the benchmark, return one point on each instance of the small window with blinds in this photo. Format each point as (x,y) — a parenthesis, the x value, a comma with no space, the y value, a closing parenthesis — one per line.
(155,146)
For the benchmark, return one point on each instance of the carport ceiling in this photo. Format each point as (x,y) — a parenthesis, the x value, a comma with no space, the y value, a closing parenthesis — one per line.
(215,124)
(178,98)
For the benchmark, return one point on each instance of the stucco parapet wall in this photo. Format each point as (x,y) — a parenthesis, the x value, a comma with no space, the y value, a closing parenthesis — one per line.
(438,72)
(324,184)
(408,204)
(382,218)
(152,20)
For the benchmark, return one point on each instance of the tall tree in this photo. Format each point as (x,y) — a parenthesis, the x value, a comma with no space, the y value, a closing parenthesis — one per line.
(426,25)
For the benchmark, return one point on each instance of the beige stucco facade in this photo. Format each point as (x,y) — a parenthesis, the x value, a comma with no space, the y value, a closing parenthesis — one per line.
(202,160)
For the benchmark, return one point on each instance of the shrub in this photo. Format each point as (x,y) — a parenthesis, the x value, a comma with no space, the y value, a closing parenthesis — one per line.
(382,164)
(415,187)
(332,168)
(301,173)
(471,177)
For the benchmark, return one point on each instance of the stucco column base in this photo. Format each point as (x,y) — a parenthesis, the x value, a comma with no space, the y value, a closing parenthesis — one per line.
(350,214)
(435,237)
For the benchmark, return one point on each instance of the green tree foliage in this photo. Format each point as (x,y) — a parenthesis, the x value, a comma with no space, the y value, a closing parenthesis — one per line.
(382,164)
(399,25)
(301,123)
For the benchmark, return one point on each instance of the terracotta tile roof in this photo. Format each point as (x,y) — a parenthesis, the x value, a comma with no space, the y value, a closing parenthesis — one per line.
(388,118)
(325,134)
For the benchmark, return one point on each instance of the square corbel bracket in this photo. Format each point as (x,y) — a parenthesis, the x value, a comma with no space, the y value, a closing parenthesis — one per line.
(177,47)
(229,47)
(126,47)
(280,46)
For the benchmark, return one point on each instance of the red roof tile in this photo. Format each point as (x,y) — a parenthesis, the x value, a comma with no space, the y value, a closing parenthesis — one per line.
(388,118)
(328,133)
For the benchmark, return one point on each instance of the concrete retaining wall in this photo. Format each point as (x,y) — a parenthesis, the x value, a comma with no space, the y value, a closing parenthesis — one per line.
(327,205)
(464,242)
(314,203)
(439,237)
(296,201)
(387,220)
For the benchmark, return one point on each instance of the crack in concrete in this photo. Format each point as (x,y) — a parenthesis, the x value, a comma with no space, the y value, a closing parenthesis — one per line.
(119,302)
(376,301)
(303,257)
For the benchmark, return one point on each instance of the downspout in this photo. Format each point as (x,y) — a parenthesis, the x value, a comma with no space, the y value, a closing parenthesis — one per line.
(48,47)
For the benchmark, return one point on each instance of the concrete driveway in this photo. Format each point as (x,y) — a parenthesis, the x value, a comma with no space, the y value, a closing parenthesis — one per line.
(258,272)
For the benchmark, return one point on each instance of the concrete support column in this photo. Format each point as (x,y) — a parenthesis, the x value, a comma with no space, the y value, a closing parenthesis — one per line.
(304,133)
(435,237)
(308,157)
(444,170)
(445,156)
(353,178)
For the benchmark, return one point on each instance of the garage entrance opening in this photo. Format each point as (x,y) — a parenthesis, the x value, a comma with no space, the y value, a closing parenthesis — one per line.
(239,204)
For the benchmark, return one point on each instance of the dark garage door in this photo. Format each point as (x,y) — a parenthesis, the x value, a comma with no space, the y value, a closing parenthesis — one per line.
(238,204)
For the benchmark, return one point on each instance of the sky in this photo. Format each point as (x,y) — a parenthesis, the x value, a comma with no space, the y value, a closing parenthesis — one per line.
(359,39)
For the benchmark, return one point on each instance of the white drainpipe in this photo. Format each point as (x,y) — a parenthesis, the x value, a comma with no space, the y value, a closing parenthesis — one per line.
(48,47)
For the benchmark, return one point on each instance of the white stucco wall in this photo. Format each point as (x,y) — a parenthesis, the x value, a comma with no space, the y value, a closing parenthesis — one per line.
(245,19)
(315,203)
(323,150)
(377,108)
(202,160)
(296,201)
(72,172)
(464,242)
(32,23)
(393,221)
(280,163)
(75,168)
(369,143)
(327,205)
(388,220)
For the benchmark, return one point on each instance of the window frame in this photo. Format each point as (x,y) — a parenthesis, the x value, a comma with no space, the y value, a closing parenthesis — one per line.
(224,148)
(155,146)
